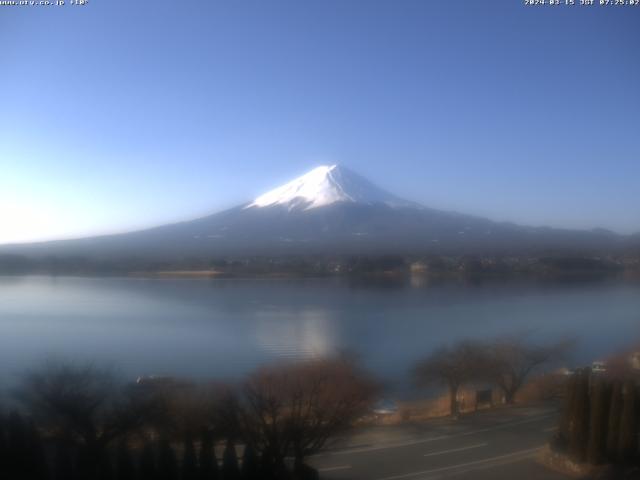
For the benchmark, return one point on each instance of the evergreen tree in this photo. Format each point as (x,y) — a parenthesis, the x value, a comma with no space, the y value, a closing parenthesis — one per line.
(17,446)
(208,461)
(628,442)
(600,396)
(63,462)
(189,460)
(268,467)
(3,447)
(567,410)
(21,452)
(148,468)
(89,462)
(230,470)
(167,463)
(250,464)
(37,467)
(125,468)
(305,472)
(105,466)
(579,422)
(615,412)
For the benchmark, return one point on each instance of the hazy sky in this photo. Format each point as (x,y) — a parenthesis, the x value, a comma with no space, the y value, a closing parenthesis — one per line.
(123,114)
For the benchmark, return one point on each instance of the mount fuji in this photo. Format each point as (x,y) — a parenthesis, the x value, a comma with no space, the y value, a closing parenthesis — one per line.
(327,185)
(330,210)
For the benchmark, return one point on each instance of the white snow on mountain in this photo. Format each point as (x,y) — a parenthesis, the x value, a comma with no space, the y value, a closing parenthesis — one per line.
(326,185)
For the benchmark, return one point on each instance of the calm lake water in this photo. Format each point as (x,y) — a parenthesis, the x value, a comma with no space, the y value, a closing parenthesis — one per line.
(226,327)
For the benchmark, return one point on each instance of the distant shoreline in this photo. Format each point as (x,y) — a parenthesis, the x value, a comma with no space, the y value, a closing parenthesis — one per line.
(207,274)
(180,274)
(380,267)
(375,277)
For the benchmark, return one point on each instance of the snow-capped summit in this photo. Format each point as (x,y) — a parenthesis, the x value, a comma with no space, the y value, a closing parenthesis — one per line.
(324,186)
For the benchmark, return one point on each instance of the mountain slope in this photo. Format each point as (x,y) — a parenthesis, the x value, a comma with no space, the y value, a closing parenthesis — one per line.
(330,210)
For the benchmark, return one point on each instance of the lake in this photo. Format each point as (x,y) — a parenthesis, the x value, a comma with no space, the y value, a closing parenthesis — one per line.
(224,328)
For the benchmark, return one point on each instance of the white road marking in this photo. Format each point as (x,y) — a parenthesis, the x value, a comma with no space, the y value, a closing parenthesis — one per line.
(331,469)
(486,466)
(433,439)
(453,450)
(514,457)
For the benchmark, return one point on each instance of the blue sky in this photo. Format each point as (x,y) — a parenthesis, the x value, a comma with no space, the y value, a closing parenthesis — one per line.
(119,115)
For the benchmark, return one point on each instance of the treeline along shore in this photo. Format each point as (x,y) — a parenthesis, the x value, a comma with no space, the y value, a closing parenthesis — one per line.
(548,264)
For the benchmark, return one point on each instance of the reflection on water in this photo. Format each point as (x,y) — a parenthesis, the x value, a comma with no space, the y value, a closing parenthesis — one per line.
(303,333)
(227,327)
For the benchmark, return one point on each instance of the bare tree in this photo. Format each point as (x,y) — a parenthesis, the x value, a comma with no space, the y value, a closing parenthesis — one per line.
(295,409)
(194,407)
(83,406)
(510,360)
(452,366)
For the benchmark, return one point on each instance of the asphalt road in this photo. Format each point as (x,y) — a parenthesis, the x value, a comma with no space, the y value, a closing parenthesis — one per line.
(496,444)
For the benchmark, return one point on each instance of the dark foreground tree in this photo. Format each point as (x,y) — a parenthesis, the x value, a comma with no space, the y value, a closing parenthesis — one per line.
(305,472)
(84,406)
(269,468)
(189,460)
(579,421)
(125,468)
(63,462)
(628,442)
(562,438)
(22,450)
(38,468)
(208,461)
(615,413)
(295,409)
(3,445)
(250,464)
(230,469)
(600,397)
(167,462)
(17,455)
(148,467)
(452,367)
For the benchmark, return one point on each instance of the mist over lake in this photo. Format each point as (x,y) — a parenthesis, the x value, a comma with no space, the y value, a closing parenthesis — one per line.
(223,328)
